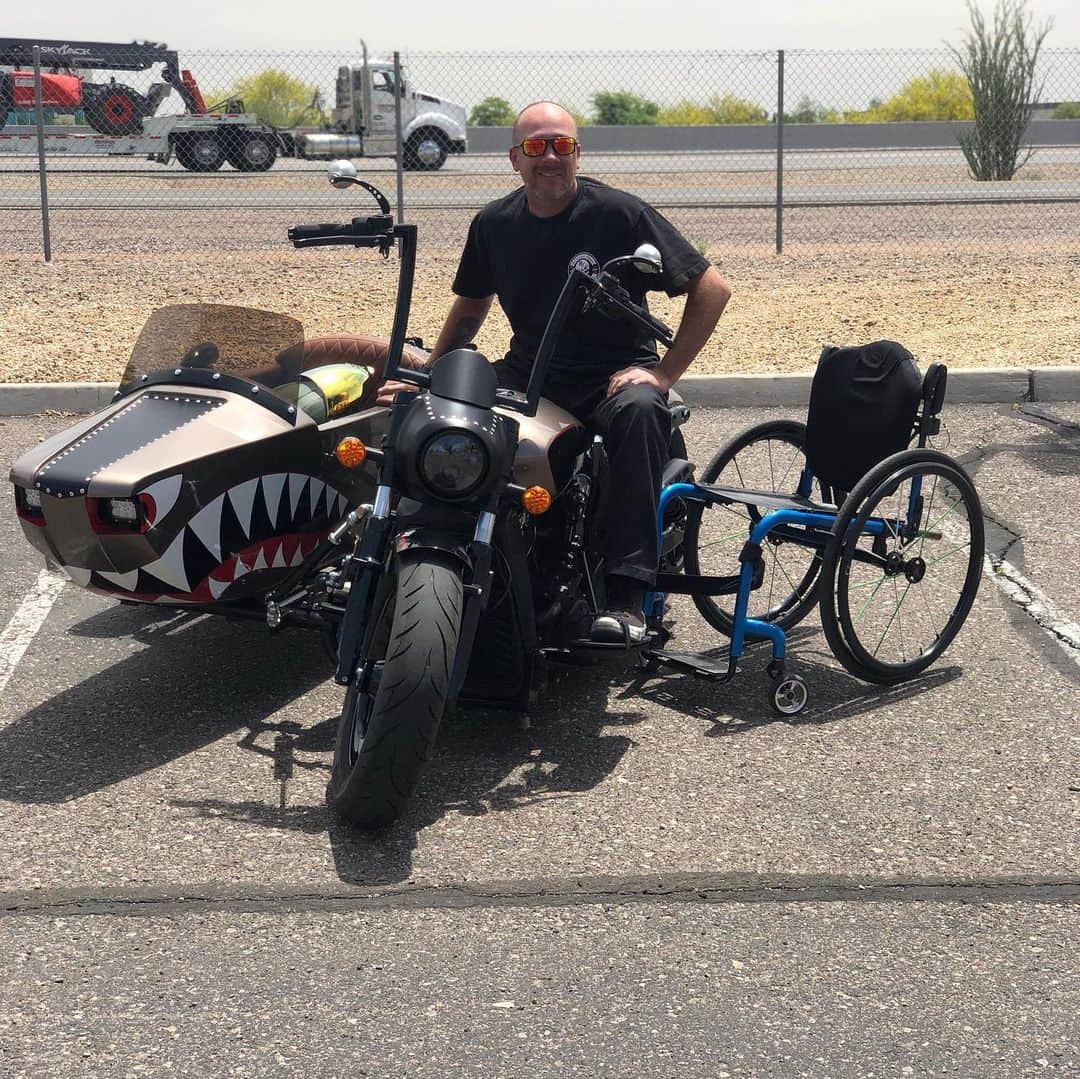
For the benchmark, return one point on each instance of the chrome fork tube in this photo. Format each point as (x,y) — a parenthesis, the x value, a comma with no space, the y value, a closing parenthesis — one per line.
(485,526)
(382,503)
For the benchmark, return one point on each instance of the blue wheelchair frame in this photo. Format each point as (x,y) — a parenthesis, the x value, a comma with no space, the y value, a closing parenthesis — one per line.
(815,530)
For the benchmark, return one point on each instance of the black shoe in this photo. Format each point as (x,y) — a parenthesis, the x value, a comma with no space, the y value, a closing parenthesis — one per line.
(619,627)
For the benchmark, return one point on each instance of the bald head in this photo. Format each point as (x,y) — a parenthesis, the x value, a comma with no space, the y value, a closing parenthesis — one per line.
(545,114)
(550,179)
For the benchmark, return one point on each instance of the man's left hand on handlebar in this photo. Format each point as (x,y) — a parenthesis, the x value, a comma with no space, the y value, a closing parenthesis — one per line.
(388,389)
(643,376)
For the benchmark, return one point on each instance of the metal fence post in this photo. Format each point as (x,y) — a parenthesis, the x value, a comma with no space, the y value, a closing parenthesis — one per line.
(780,151)
(399,152)
(41,154)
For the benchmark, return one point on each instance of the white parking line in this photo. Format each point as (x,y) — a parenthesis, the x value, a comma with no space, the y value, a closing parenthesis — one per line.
(1035,602)
(26,621)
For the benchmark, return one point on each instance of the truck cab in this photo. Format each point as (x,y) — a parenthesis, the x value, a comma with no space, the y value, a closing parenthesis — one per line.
(431,127)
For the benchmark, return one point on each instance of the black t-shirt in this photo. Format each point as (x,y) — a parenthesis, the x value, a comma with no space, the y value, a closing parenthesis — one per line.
(524,260)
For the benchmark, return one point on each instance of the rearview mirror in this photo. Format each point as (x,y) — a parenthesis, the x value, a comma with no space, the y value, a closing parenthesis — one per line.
(342,173)
(647,259)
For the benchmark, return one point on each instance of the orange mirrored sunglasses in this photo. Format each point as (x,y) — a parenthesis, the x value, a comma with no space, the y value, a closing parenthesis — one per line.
(563,145)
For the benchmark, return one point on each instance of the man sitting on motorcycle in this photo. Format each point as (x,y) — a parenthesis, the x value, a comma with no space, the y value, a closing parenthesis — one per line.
(607,373)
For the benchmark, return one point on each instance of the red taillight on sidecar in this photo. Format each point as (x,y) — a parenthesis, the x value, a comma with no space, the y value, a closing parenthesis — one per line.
(28,505)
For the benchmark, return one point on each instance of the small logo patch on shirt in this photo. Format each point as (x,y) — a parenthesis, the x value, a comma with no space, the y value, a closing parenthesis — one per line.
(586,262)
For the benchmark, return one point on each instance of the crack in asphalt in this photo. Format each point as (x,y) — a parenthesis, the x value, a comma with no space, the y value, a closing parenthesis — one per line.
(709,888)
(1001,539)
(1043,417)
(1036,605)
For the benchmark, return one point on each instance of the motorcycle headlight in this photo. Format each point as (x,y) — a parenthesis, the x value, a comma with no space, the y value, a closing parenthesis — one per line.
(453,463)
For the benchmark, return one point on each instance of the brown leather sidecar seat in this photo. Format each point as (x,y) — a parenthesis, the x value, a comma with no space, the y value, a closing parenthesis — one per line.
(361,350)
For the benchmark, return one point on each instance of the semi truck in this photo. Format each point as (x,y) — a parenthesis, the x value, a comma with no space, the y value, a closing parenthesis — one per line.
(126,122)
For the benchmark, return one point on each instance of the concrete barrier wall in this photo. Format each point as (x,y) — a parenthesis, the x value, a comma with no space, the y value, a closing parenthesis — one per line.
(921,135)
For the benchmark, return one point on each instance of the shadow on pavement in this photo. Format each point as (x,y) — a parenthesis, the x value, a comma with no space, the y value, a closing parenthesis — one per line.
(743,704)
(485,762)
(198,678)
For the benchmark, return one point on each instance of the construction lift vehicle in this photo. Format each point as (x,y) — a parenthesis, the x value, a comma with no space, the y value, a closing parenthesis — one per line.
(203,139)
(110,107)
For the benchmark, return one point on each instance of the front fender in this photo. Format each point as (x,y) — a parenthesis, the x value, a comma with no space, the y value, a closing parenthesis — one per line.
(412,542)
(451,128)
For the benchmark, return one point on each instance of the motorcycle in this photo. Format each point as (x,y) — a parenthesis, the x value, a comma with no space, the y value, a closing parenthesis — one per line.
(449,547)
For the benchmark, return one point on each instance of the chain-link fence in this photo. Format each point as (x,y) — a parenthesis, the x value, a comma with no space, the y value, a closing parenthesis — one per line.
(134,148)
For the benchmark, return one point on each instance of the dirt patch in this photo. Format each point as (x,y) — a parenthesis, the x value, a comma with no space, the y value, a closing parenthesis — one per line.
(76,319)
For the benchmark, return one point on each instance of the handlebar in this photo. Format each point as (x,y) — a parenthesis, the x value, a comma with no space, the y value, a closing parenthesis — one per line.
(376,231)
(608,295)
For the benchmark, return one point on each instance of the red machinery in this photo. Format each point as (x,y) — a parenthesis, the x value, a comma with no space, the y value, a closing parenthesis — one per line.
(110,107)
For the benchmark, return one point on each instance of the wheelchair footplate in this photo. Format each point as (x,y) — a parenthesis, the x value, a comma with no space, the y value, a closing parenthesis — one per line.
(585,651)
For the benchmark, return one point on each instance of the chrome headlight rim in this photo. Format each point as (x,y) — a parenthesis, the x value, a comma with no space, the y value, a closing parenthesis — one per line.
(459,492)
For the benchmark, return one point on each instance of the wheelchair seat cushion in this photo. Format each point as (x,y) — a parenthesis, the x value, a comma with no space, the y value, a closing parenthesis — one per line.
(863,403)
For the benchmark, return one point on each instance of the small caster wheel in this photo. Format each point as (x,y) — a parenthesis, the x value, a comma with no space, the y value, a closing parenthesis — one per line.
(789,696)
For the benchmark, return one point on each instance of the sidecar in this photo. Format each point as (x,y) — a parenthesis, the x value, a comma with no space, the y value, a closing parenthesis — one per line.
(211,474)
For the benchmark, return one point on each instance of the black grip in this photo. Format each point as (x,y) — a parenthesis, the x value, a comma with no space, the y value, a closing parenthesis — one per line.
(640,315)
(663,331)
(311,232)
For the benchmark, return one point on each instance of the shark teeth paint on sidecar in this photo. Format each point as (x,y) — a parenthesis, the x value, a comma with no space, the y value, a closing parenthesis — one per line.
(228,486)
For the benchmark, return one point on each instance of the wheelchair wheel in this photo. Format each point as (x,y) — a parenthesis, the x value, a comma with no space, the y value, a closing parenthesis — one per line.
(892,603)
(768,457)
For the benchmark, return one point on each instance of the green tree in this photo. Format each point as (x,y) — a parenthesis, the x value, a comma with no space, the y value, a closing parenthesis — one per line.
(622,107)
(729,109)
(1067,110)
(725,109)
(492,112)
(999,64)
(808,111)
(280,99)
(937,95)
(686,113)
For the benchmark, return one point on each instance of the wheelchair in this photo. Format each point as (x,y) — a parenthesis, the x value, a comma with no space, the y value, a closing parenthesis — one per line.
(893,564)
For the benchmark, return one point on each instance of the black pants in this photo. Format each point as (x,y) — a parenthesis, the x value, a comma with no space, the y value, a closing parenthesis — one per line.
(635,424)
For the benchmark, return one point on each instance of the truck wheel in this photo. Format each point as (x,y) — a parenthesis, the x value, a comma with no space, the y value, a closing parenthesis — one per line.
(249,151)
(114,109)
(200,152)
(7,98)
(426,150)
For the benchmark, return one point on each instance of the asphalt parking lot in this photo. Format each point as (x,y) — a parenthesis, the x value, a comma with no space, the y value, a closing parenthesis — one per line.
(656,878)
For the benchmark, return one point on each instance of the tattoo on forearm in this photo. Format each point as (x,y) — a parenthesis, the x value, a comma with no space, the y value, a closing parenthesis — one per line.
(464,331)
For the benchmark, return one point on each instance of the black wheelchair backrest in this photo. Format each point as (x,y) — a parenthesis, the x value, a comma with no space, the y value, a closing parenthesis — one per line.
(933,398)
(933,388)
(863,404)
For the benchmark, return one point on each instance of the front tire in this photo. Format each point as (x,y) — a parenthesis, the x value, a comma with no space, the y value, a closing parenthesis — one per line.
(114,109)
(426,150)
(394,707)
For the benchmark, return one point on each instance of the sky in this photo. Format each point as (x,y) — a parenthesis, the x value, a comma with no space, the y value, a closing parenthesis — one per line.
(474,25)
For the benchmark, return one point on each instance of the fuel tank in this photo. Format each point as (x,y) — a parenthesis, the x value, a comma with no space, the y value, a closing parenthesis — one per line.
(548,447)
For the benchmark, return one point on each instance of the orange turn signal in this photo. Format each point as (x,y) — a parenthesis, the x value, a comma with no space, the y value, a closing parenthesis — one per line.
(350,452)
(536,500)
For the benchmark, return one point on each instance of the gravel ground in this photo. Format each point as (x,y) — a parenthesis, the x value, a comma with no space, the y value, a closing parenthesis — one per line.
(77,318)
